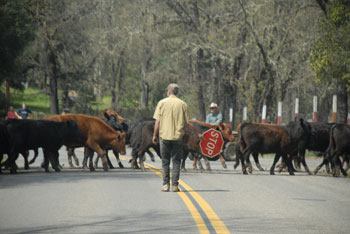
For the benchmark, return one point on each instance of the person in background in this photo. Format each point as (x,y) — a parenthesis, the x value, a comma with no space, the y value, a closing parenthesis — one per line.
(214,117)
(12,114)
(24,112)
(171,116)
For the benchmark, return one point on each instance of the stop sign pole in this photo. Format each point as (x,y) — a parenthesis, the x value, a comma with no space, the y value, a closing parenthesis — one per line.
(212,143)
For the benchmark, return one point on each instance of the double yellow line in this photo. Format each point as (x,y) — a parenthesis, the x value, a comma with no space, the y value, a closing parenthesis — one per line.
(206,219)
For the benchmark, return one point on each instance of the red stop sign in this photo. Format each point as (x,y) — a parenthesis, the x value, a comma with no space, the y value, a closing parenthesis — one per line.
(212,143)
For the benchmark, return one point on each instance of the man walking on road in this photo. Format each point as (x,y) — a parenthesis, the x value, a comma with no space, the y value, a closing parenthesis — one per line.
(171,116)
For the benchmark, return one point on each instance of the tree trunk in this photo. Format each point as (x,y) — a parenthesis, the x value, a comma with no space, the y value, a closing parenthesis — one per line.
(342,102)
(53,96)
(114,82)
(54,109)
(199,78)
(144,89)
(117,78)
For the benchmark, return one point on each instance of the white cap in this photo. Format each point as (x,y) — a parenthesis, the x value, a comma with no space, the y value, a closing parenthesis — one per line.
(213,105)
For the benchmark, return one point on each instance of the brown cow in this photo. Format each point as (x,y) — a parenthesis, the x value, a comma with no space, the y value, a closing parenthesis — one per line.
(96,135)
(227,134)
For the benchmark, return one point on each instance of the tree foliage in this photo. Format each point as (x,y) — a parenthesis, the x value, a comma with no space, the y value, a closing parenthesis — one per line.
(235,53)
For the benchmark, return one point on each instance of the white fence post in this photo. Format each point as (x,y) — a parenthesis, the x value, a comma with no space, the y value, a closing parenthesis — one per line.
(315,109)
(263,117)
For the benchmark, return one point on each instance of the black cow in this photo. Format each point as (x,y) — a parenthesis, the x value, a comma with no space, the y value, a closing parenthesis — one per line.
(141,141)
(270,138)
(144,142)
(318,141)
(339,145)
(32,134)
(4,141)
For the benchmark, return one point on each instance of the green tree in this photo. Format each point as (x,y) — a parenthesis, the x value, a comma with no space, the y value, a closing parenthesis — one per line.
(330,57)
(16,32)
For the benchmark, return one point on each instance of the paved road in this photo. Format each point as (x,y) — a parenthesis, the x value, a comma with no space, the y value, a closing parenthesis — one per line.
(130,201)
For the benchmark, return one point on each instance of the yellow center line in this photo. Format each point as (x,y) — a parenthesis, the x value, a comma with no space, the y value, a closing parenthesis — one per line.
(215,221)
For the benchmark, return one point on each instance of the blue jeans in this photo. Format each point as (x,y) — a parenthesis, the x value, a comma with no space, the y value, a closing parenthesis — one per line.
(171,150)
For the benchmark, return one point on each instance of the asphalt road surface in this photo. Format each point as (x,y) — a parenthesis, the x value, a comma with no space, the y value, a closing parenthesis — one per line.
(130,201)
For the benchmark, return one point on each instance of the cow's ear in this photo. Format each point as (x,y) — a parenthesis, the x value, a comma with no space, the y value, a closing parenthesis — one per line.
(119,137)
(125,127)
(106,115)
(301,121)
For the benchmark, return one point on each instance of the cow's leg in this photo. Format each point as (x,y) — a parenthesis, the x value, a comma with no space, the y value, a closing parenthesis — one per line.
(150,154)
(207,163)
(141,160)
(45,163)
(108,160)
(70,152)
(35,156)
(256,160)
(96,162)
(244,156)
(338,165)
(89,155)
(76,160)
(272,169)
(199,163)
(25,156)
(194,164)
(289,164)
(238,156)
(85,158)
(116,155)
(133,161)
(324,161)
(1,157)
(347,161)
(223,162)
(250,167)
(53,156)
(298,159)
(302,159)
(183,160)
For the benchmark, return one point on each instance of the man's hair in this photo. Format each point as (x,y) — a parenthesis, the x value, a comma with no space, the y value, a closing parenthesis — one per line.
(173,88)
(174,91)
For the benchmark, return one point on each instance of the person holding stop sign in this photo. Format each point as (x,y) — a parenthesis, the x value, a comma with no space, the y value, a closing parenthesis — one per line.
(171,116)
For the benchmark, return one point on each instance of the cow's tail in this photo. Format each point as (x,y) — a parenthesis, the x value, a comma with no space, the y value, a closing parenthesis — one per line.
(241,142)
(332,144)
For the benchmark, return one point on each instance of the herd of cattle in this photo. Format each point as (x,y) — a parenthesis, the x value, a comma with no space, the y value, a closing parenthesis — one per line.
(112,132)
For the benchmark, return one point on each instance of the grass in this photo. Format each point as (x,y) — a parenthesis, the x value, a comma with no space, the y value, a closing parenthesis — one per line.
(37,101)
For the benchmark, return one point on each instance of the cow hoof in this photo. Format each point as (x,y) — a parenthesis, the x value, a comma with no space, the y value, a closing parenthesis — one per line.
(272,173)
(121,165)
(111,167)
(92,169)
(291,173)
(57,170)
(47,170)
(224,165)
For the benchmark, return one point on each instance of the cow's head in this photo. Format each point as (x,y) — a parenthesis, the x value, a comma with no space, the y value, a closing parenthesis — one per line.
(299,130)
(226,131)
(112,112)
(191,140)
(118,143)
